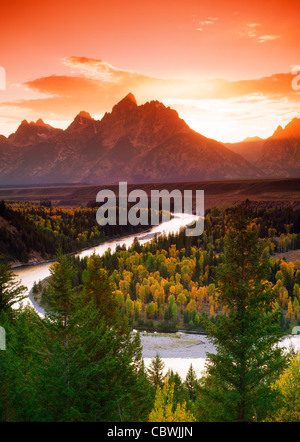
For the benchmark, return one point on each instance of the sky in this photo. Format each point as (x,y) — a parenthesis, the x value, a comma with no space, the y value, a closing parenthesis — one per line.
(231,69)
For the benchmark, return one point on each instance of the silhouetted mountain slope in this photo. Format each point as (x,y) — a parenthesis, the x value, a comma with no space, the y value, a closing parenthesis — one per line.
(250,148)
(280,156)
(143,143)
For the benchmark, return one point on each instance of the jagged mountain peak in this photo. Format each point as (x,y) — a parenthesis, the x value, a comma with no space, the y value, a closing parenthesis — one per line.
(281,152)
(291,130)
(81,122)
(127,104)
(279,132)
(84,114)
(157,107)
(81,116)
(33,132)
(130,98)
(40,122)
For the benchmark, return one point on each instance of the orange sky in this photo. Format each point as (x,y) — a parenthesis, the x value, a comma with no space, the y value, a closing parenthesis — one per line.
(225,66)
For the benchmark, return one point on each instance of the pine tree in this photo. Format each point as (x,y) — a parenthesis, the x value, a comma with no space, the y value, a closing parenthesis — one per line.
(108,374)
(180,391)
(18,366)
(143,399)
(191,382)
(155,371)
(59,347)
(11,292)
(237,384)
(90,366)
(61,295)
(97,288)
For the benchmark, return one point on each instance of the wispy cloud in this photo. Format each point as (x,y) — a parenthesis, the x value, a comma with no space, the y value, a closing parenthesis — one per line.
(205,22)
(264,38)
(96,69)
(253,25)
(253,30)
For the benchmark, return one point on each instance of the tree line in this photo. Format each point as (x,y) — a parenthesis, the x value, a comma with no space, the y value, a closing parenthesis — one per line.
(171,282)
(28,229)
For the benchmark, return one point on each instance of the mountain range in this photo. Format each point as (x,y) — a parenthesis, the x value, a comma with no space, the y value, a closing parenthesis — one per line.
(250,148)
(140,143)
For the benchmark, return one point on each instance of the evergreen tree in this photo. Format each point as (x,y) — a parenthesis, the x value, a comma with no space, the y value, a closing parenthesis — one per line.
(180,392)
(144,399)
(237,386)
(90,361)
(57,355)
(155,371)
(110,383)
(191,382)
(11,292)
(97,288)
(18,366)
(61,295)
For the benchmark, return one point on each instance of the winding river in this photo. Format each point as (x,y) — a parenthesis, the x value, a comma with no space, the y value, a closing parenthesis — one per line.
(28,274)
(177,350)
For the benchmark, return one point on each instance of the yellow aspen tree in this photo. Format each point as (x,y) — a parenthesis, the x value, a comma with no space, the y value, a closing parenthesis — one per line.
(119,297)
(138,307)
(172,290)
(225,309)
(287,400)
(164,409)
(181,300)
(152,309)
(200,294)
(279,275)
(194,292)
(129,306)
(283,267)
(205,294)
(296,308)
(191,306)
(177,277)
(162,297)
(296,291)
(285,298)
(290,309)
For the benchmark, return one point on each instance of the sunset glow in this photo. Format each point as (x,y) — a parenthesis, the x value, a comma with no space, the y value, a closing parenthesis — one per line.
(226,67)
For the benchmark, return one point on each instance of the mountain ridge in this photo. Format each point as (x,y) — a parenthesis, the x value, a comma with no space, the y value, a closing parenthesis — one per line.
(136,143)
(280,155)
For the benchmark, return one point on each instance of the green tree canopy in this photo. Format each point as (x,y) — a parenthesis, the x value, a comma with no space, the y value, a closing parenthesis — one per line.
(11,292)
(237,385)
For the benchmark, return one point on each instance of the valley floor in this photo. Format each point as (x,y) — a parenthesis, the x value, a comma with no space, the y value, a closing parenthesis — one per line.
(274,191)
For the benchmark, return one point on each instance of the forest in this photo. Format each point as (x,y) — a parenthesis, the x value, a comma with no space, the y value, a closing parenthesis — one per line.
(83,360)
(39,229)
(171,282)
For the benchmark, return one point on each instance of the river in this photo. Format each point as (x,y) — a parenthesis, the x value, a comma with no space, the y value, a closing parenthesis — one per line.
(28,274)
(177,350)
